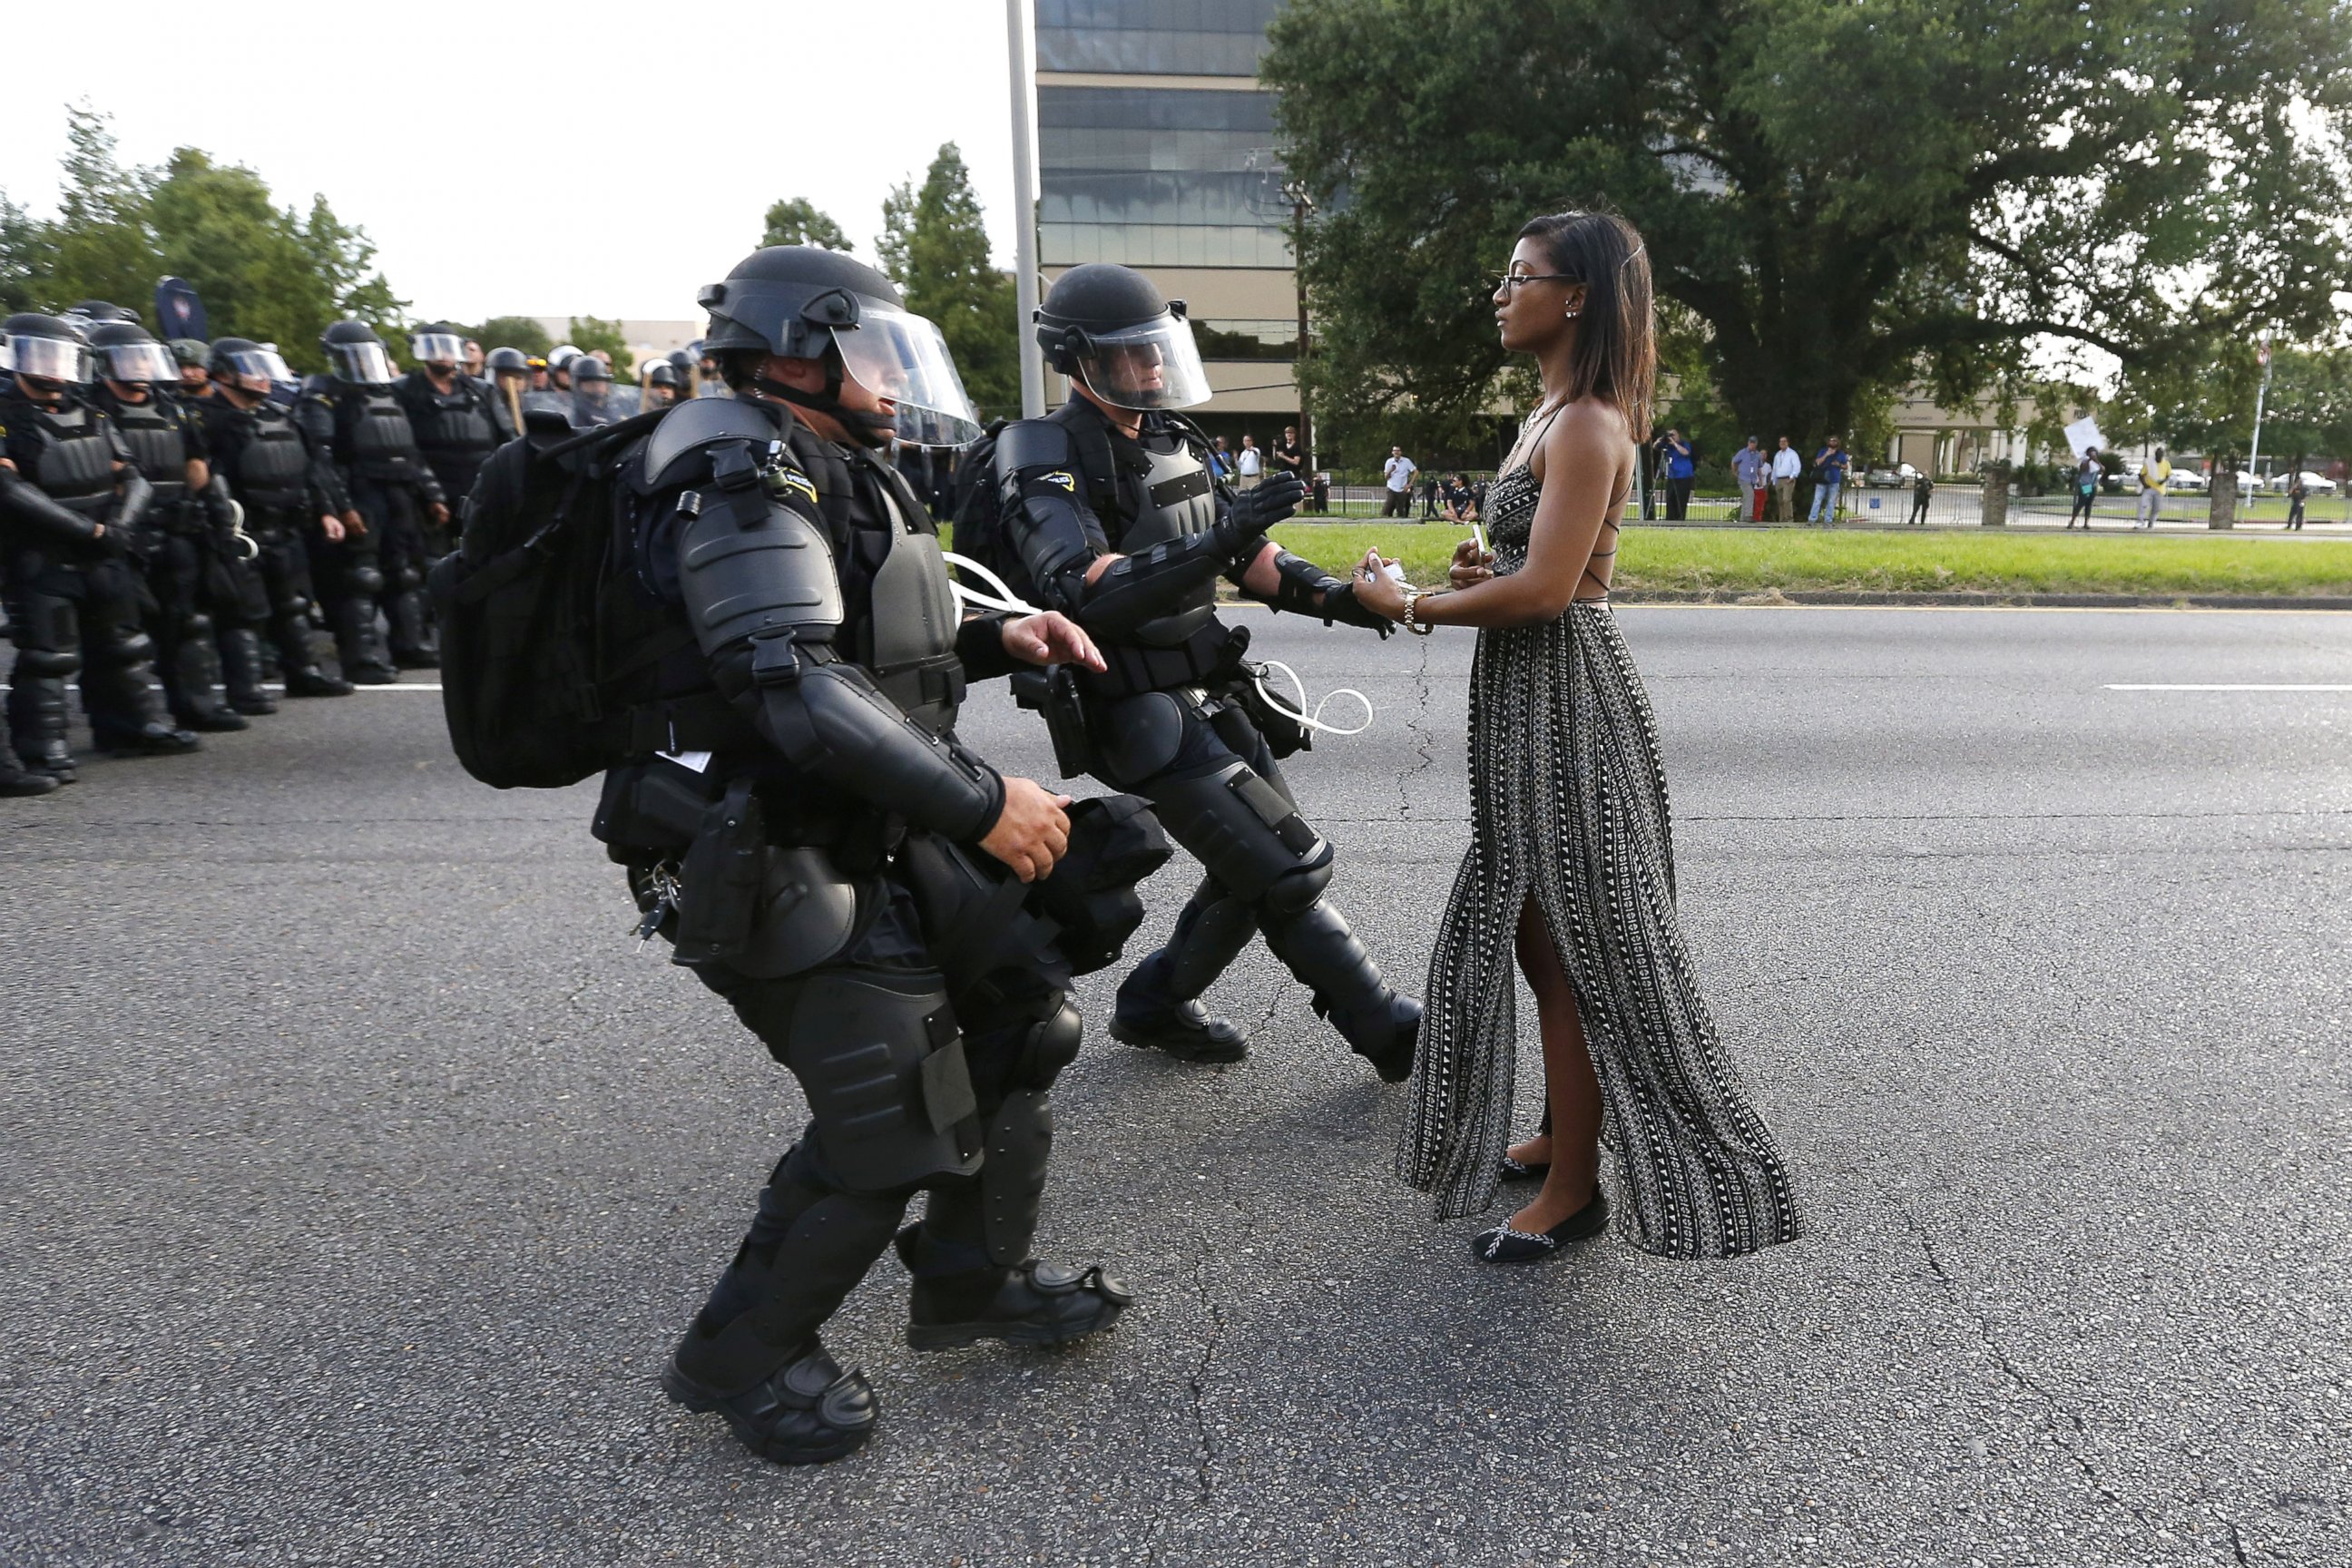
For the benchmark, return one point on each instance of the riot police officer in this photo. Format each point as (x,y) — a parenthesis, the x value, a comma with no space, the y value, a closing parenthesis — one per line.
(510,374)
(867,892)
(593,402)
(660,388)
(287,488)
(184,521)
(72,506)
(354,414)
(452,414)
(1110,510)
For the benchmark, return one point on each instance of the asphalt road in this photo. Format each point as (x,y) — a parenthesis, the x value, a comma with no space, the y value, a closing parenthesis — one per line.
(361,1169)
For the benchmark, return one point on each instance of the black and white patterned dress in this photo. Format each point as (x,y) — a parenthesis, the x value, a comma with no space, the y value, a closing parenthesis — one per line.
(1569,806)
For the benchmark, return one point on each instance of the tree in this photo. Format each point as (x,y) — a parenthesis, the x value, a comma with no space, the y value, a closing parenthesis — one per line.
(934,245)
(592,332)
(796,220)
(1847,196)
(262,273)
(512,332)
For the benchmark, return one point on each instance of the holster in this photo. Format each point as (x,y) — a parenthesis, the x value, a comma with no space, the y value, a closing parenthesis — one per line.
(763,910)
(1285,736)
(1068,721)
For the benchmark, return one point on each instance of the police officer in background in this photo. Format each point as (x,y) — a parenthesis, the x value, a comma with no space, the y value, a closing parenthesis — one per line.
(192,356)
(660,384)
(892,953)
(354,414)
(287,488)
(454,418)
(593,402)
(510,376)
(167,444)
(72,506)
(1109,508)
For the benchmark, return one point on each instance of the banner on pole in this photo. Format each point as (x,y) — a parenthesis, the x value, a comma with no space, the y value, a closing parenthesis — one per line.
(2084,435)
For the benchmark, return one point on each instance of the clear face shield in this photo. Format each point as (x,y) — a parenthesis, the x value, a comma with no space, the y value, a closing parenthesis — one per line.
(903,357)
(139,362)
(49,359)
(1152,364)
(258,370)
(437,348)
(366,364)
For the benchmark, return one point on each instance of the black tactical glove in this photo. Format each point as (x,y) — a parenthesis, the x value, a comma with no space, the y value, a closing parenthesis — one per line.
(1255,512)
(1339,604)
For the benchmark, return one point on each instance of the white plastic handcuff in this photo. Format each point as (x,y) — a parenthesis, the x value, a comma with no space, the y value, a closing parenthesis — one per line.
(1011,602)
(237,531)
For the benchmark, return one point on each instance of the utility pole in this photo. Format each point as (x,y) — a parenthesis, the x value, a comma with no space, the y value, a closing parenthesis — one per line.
(2254,459)
(1300,205)
(1025,209)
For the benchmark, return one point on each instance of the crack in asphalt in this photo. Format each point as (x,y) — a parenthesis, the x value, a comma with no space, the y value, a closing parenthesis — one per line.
(1198,1381)
(2023,1379)
(1425,744)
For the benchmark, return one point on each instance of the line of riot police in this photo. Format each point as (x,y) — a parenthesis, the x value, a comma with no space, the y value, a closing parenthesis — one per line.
(193,514)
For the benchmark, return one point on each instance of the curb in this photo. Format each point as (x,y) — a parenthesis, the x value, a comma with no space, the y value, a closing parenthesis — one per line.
(1971,599)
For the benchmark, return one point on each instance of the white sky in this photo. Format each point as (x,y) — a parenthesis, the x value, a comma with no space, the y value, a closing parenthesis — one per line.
(473,155)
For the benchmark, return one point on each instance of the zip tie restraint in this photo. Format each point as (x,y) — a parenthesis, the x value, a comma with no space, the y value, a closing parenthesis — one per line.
(1004,598)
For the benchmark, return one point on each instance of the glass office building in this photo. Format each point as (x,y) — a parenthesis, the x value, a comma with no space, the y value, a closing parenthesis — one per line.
(1156,148)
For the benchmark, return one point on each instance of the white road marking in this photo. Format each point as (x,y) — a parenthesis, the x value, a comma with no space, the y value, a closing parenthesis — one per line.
(2248,686)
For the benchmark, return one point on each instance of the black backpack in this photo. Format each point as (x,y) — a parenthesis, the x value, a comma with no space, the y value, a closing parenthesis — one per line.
(978,517)
(517,601)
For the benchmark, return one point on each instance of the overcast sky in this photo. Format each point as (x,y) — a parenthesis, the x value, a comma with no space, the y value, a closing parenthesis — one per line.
(542,160)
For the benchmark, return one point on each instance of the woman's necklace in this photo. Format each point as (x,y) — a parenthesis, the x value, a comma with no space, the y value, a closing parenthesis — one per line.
(1533,421)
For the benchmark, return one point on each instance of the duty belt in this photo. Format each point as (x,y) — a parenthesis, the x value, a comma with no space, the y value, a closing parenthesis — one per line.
(704,722)
(1204,658)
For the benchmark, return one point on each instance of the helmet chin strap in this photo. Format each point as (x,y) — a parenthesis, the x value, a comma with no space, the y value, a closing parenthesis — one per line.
(868,428)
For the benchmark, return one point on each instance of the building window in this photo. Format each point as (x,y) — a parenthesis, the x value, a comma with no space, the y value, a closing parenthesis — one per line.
(1165,37)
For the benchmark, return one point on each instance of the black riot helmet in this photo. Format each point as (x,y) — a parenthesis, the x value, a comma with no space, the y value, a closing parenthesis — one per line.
(248,367)
(439,343)
(97,311)
(126,351)
(802,301)
(508,360)
(588,367)
(46,351)
(661,373)
(356,354)
(1106,327)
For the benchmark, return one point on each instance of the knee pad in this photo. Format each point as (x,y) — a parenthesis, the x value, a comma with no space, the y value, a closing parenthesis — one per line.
(1051,1047)
(409,579)
(130,645)
(48,662)
(1245,832)
(364,580)
(1296,889)
(197,626)
(879,1057)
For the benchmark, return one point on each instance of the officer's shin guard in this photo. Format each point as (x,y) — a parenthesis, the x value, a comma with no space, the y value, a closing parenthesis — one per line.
(1159,1003)
(37,710)
(359,642)
(124,716)
(414,646)
(1317,946)
(192,678)
(240,664)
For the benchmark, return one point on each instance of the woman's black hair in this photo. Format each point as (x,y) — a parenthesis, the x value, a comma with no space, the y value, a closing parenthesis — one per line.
(1616,356)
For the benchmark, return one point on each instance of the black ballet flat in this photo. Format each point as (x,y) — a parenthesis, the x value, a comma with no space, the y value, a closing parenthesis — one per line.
(1504,1244)
(1512,1170)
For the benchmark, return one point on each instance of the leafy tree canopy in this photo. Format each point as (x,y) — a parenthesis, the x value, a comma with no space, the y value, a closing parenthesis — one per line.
(591,333)
(796,220)
(934,245)
(1841,196)
(512,332)
(263,271)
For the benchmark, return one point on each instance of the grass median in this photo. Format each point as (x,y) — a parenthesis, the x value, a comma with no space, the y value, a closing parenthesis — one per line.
(1732,562)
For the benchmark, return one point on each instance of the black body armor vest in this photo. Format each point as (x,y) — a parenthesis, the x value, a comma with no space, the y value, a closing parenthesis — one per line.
(273,469)
(1173,498)
(453,426)
(76,468)
(373,434)
(902,613)
(159,446)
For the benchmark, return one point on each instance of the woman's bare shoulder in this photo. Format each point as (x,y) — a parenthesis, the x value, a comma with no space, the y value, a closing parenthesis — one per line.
(1587,433)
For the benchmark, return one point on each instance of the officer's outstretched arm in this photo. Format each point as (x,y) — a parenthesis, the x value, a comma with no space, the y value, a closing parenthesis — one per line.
(24,502)
(1060,542)
(1303,588)
(758,579)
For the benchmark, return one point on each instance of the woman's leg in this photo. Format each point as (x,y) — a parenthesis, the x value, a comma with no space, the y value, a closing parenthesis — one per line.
(1571,1090)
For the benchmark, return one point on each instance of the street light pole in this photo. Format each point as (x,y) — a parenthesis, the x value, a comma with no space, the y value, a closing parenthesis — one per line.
(2254,459)
(1024,210)
(1300,205)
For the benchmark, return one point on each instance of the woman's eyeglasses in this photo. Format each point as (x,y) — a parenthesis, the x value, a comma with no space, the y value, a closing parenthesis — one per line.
(1497,280)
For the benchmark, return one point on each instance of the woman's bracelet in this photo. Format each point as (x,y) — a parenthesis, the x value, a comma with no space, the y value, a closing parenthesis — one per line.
(1412,598)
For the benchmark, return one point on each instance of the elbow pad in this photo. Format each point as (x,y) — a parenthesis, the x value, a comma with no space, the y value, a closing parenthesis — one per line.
(1037,496)
(131,507)
(1134,589)
(27,503)
(828,718)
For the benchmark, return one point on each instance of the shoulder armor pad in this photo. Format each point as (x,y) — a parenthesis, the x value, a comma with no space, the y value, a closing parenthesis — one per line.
(1033,444)
(705,422)
(739,580)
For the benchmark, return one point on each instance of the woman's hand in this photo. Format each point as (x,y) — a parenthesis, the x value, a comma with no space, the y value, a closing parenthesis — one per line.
(1470,565)
(1376,590)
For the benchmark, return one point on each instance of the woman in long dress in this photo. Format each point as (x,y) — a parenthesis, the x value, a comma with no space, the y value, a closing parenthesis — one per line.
(1570,865)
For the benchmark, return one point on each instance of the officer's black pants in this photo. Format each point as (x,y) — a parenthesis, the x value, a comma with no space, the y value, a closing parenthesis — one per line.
(72,617)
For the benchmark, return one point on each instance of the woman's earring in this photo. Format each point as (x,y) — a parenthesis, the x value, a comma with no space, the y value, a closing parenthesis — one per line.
(1571,316)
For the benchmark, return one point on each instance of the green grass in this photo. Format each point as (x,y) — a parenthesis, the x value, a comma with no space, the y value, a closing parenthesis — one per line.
(1745,561)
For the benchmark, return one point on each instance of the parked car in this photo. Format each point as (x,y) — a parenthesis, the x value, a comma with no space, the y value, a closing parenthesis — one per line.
(2189,481)
(2312,484)
(1883,477)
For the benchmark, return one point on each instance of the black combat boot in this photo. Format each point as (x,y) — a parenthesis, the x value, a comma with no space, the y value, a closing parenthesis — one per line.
(240,658)
(1037,1303)
(806,1412)
(1147,1015)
